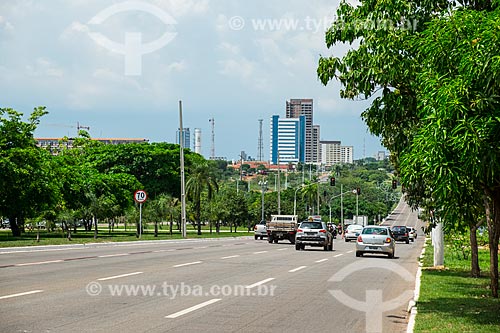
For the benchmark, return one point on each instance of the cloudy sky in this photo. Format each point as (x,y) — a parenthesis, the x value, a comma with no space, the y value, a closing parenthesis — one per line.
(121,67)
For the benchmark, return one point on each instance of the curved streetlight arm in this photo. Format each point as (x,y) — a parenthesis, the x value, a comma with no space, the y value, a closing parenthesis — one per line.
(295,196)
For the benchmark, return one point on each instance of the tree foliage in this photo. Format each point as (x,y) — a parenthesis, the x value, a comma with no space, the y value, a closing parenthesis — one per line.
(432,71)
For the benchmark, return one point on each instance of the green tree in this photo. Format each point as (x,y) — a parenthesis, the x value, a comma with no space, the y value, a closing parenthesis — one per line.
(457,146)
(435,89)
(27,174)
(201,178)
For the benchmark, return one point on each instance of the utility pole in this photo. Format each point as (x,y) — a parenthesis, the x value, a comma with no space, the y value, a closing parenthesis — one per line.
(183,185)
(279,186)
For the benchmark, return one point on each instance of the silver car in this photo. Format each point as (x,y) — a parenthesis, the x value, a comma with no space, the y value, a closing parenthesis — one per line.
(313,233)
(375,239)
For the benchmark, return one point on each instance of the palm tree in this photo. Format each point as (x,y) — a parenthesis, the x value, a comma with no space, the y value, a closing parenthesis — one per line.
(200,178)
(310,194)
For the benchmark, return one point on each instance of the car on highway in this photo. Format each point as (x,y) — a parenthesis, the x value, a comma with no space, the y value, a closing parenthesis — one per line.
(313,233)
(412,233)
(400,233)
(260,230)
(352,232)
(375,239)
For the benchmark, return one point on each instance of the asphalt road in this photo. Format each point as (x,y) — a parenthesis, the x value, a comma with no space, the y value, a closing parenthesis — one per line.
(219,285)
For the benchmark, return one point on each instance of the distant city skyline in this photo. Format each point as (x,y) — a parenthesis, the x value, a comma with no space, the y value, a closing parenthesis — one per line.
(235,62)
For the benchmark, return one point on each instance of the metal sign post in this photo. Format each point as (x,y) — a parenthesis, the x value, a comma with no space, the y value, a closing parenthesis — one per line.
(140,196)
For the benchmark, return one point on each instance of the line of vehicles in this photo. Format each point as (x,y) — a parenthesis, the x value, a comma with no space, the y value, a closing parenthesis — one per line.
(316,233)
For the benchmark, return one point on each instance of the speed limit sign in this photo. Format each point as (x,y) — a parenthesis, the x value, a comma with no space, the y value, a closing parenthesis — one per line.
(140,196)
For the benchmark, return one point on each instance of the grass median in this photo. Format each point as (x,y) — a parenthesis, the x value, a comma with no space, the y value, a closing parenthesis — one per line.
(80,237)
(451,301)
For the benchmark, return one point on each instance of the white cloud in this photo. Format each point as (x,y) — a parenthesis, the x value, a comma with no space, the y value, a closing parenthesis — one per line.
(5,25)
(44,67)
(75,28)
(230,48)
(241,68)
(178,8)
(177,66)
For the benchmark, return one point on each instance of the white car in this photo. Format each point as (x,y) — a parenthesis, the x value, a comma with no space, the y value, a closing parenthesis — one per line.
(260,230)
(412,233)
(352,232)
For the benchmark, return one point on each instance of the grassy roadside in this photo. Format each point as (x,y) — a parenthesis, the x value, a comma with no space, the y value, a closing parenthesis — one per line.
(451,301)
(80,237)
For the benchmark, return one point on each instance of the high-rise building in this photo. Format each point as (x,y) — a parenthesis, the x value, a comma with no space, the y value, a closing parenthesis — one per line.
(197,140)
(330,153)
(304,107)
(316,146)
(186,143)
(287,141)
(380,156)
(347,154)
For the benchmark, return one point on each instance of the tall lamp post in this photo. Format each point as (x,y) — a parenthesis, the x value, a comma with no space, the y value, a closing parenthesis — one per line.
(295,200)
(263,187)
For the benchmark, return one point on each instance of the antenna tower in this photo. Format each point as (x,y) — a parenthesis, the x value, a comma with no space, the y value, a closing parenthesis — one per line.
(212,147)
(260,148)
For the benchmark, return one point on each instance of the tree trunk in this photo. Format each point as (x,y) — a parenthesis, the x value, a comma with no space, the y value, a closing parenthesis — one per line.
(16,232)
(156,229)
(171,222)
(492,205)
(475,269)
(95,227)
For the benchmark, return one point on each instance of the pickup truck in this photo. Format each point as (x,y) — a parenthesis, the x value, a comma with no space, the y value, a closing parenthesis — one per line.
(282,227)
(260,230)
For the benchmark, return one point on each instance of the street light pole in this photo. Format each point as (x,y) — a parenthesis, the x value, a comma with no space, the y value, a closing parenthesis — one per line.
(357,207)
(342,209)
(263,188)
(295,201)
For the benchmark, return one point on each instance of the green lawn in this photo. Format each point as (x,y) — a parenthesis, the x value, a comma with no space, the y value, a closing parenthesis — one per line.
(57,237)
(451,301)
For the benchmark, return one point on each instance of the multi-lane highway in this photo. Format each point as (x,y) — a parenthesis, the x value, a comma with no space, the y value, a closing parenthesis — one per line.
(219,285)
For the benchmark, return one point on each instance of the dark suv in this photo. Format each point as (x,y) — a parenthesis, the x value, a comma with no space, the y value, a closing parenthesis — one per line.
(400,233)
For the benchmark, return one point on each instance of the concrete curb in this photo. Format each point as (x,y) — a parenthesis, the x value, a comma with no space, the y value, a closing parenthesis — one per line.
(62,247)
(412,305)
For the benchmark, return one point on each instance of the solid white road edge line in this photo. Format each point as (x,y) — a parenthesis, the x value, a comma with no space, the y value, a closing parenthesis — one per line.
(118,276)
(296,269)
(259,283)
(193,308)
(21,294)
(188,264)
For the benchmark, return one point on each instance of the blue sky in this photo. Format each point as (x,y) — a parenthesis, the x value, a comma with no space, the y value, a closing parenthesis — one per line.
(235,61)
